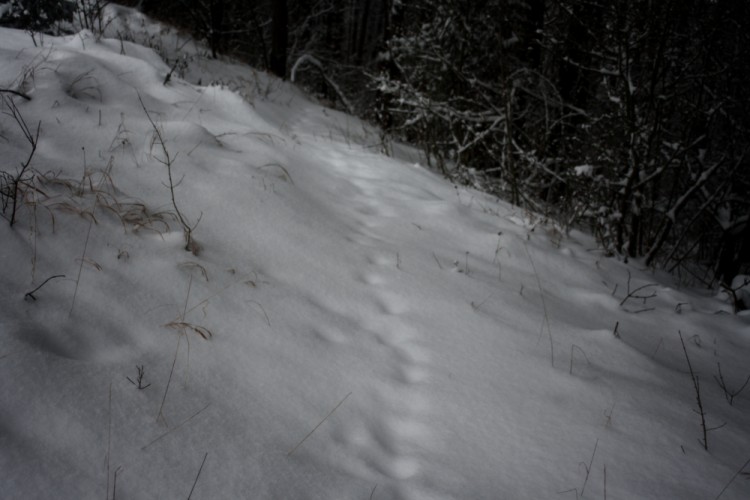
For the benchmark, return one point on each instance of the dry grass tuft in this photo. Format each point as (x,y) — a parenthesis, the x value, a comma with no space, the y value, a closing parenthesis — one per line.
(184,326)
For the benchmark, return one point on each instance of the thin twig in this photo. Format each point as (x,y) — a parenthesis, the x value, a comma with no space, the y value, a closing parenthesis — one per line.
(571,356)
(168,161)
(15,92)
(739,471)
(588,468)
(696,386)
(114,487)
(169,380)
(436,260)
(109,437)
(168,78)
(632,294)
(198,475)
(728,394)
(544,307)
(661,341)
(319,424)
(83,259)
(187,338)
(176,427)
(31,293)
(262,310)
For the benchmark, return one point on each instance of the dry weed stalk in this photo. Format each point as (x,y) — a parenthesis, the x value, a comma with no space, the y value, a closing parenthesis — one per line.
(701,411)
(13,187)
(182,326)
(544,308)
(168,161)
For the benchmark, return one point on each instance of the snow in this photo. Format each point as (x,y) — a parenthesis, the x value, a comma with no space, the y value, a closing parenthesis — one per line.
(371,331)
(584,170)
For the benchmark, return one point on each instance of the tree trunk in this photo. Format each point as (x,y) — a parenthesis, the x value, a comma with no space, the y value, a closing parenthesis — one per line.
(362,35)
(216,13)
(280,36)
(536,25)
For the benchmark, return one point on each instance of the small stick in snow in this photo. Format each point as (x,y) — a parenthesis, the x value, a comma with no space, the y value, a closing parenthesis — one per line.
(661,341)
(83,259)
(114,487)
(588,468)
(701,411)
(739,471)
(571,356)
(109,436)
(139,378)
(436,260)
(319,424)
(268,321)
(31,293)
(176,427)
(728,394)
(15,92)
(169,380)
(634,293)
(198,475)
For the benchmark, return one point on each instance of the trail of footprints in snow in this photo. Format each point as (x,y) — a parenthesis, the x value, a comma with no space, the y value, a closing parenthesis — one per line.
(385,444)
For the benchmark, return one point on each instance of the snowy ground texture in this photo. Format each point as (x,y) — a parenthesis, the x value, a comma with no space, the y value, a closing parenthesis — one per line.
(349,325)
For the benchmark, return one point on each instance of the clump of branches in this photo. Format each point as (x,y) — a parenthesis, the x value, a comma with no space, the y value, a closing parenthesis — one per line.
(90,15)
(607,115)
(37,16)
(13,186)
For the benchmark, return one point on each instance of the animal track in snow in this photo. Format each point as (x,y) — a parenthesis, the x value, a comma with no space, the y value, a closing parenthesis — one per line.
(374,279)
(392,304)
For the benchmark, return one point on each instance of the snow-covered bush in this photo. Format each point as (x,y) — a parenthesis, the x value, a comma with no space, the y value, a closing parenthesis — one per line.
(35,15)
(528,92)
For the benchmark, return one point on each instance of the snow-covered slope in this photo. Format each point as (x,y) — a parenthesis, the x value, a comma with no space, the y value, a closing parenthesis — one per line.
(348,325)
